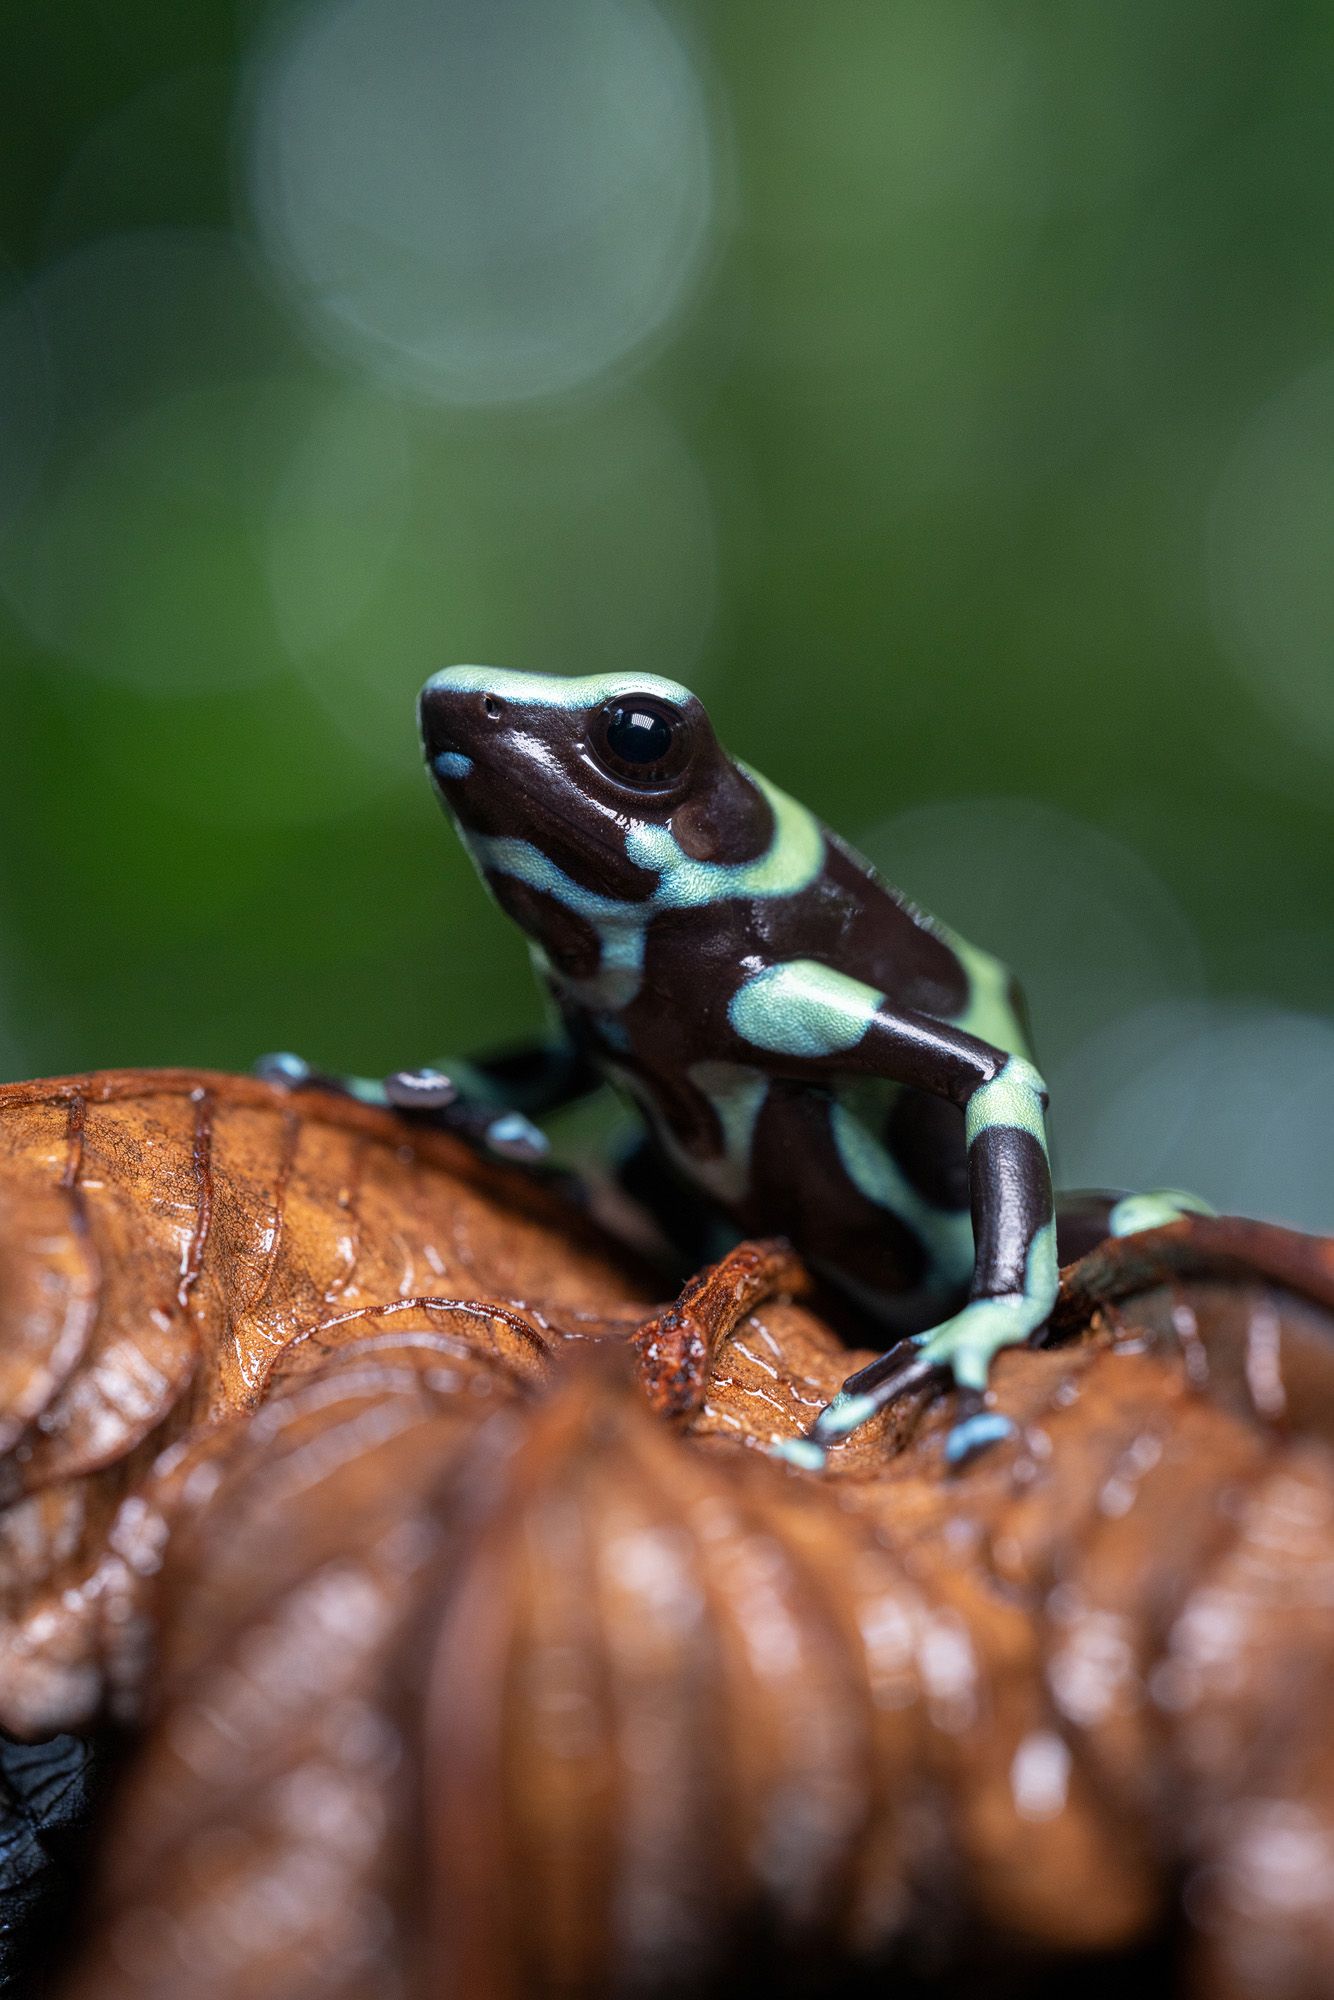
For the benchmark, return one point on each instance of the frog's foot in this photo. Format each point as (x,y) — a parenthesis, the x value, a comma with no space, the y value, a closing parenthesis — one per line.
(1153,1209)
(962,1348)
(862,1395)
(425,1094)
(429,1093)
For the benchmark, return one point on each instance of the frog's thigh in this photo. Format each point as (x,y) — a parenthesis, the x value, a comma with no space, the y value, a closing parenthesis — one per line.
(924,1135)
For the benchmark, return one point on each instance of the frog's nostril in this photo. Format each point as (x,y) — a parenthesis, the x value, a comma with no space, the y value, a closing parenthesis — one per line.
(492,707)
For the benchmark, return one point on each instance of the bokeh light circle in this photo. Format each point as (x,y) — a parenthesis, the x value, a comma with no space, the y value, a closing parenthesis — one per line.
(1271,572)
(25,400)
(143,562)
(485,203)
(567,542)
(1235,1101)
(1082,919)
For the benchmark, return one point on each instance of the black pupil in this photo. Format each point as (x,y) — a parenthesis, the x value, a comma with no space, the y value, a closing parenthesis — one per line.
(638,736)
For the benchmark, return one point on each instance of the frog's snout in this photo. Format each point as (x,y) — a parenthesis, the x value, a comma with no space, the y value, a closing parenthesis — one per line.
(456,718)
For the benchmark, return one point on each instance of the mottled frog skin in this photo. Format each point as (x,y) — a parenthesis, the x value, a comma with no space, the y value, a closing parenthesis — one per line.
(812,1055)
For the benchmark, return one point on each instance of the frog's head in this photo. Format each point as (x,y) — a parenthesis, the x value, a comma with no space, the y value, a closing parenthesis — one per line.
(609,779)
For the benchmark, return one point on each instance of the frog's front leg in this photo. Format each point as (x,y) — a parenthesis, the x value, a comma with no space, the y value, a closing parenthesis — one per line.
(1014,1274)
(812,1021)
(490,1101)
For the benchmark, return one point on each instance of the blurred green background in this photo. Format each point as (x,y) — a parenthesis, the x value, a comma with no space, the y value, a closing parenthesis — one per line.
(945,388)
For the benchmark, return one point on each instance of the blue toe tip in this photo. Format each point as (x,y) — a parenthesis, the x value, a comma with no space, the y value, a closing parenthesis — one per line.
(282,1067)
(800,1451)
(987,1427)
(512,1135)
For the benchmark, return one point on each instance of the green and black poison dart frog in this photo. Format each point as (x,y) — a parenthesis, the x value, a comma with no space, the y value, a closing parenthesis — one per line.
(811,1055)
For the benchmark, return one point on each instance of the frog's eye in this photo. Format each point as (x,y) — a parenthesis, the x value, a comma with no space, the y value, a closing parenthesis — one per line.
(641,740)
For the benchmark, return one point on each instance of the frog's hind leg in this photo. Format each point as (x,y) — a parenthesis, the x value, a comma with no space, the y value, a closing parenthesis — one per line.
(1086,1217)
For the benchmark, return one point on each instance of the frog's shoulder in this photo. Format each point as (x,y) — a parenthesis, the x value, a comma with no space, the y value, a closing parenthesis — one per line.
(925,964)
(844,860)
(888,941)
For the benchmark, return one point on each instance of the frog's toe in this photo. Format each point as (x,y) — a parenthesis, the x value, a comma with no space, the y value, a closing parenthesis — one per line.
(855,1405)
(840,1418)
(284,1068)
(514,1137)
(295,1073)
(974,1433)
(891,1363)
(431,1098)
(804,1452)
(419,1089)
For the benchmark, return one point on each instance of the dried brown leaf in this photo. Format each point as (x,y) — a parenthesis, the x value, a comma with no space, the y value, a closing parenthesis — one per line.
(466,1666)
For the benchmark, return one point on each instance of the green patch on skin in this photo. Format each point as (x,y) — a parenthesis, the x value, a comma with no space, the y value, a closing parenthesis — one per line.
(736,1094)
(947,1234)
(803,1008)
(1154,1210)
(554,690)
(620,934)
(989,1013)
(503,854)
(1013,1098)
(789,864)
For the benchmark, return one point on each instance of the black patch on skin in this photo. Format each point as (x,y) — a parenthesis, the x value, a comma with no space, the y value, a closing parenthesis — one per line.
(924,1135)
(882,941)
(1083,1217)
(536,777)
(726,818)
(682,1210)
(538,1077)
(1010,1164)
(529,781)
(679,1108)
(697,958)
(799,1184)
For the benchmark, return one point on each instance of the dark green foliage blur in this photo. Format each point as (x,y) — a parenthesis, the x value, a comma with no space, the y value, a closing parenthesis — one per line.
(985,453)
